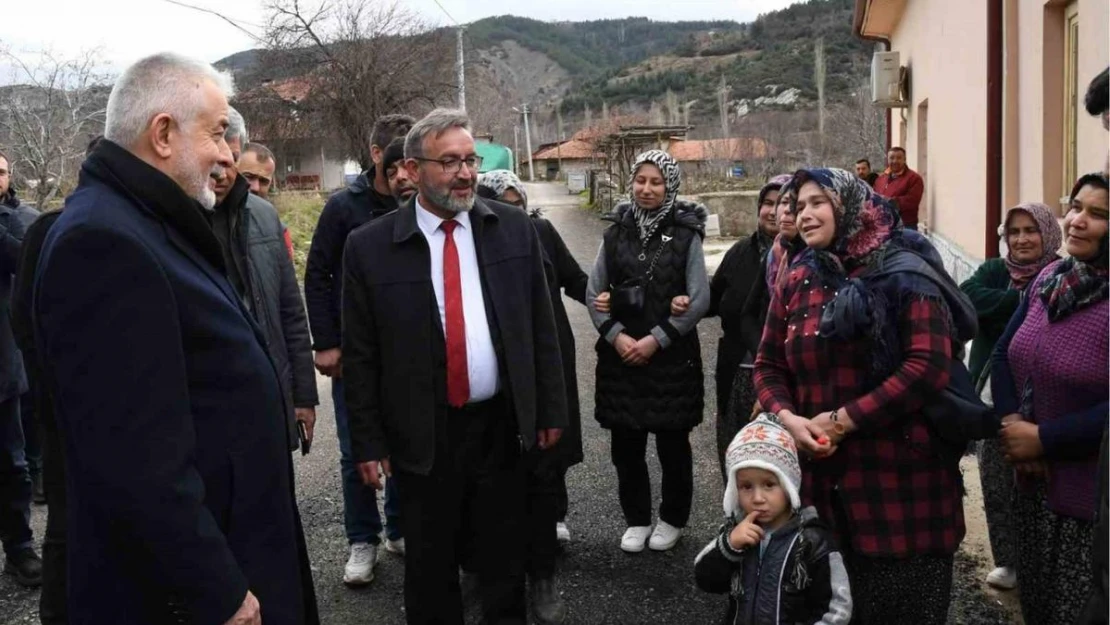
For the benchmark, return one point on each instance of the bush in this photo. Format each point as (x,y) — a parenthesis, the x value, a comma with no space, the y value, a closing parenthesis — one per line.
(299,211)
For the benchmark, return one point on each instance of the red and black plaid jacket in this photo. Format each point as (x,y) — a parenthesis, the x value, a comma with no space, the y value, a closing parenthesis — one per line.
(885,490)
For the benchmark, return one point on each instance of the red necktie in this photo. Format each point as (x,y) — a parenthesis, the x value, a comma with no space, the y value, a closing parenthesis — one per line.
(458,376)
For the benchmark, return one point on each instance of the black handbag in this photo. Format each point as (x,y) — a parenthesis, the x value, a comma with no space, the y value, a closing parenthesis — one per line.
(628,298)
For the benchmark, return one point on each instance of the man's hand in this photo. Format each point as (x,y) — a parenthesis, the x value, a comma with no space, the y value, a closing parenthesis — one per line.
(747,534)
(641,352)
(679,305)
(250,613)
(371,474)
(329,362)
(1021,441)
(601,302)
(307,416)
(547,438)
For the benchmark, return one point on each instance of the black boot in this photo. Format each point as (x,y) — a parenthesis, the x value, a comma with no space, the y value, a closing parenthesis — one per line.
(547,606)
(26,566)
(38,492)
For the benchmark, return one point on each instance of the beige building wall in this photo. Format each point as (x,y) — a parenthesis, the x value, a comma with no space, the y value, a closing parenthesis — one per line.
(1040,79)
(943,44)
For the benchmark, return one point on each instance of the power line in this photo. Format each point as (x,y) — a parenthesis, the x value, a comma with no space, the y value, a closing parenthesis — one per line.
(445,12)
(221,16)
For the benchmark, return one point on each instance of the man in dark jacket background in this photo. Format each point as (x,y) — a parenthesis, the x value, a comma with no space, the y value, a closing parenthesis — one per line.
(181,499)
(15,482)
(454,372)
(253,243)
(369,197)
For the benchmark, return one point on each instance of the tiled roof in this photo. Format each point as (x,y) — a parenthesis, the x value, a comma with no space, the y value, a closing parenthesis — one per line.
(738,148)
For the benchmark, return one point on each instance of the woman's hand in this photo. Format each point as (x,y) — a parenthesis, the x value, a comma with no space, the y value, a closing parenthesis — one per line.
(679,305)
(1033,469)
(1021,441)
(1013,417)
(624,345)
(641,352)
(808,435)
(601,302)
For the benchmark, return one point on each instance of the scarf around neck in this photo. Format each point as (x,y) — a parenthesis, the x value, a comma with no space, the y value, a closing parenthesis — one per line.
(648,221)
(1074,283)
(1051,239)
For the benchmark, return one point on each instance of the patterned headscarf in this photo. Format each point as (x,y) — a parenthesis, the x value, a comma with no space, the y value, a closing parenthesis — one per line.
(1051,238)
(1076,284)
(776,183)
(498,181)
(865,221)
(649,220)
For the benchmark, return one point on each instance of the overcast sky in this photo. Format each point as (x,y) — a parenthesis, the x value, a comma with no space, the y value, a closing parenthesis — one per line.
(126,30)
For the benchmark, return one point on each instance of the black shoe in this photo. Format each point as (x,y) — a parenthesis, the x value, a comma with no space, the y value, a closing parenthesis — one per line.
(38,492)
(547,606)
(26,566)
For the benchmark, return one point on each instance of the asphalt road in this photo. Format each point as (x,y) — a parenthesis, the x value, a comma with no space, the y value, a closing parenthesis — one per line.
(601,583)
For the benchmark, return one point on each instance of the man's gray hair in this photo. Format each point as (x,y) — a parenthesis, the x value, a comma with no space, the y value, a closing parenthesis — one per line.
(236,127)
(162,83)
(435,124)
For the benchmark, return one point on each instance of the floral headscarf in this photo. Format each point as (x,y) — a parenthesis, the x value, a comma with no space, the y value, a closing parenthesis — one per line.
(649,220)
(1076,284)
(763,239)
(498,181)
(1051,239)
(865,221)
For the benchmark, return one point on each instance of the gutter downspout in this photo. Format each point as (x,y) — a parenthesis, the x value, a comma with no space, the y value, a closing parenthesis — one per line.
(995,42)
(857,30)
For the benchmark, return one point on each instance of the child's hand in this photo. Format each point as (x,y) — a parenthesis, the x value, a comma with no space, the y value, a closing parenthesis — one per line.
(679,305)
(747,534)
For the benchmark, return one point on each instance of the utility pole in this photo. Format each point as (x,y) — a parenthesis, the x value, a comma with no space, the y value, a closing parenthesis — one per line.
(461,68)
(559,136)
(516,149)
(819,78)
(528,145)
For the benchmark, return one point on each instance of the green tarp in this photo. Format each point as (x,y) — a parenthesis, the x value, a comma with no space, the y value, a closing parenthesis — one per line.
(494,156)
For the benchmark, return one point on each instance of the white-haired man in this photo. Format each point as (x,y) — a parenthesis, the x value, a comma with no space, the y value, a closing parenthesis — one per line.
(181,501)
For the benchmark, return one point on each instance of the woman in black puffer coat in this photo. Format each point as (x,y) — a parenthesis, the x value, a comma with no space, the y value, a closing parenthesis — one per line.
(649,370)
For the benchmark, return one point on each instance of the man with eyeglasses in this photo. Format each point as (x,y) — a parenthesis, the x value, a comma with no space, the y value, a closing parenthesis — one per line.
(454,380)
(367,198)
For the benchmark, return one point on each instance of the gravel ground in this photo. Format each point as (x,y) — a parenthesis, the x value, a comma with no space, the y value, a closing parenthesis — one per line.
(601,584)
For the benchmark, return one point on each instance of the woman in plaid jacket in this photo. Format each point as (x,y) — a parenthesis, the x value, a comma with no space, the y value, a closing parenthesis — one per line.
(850,388)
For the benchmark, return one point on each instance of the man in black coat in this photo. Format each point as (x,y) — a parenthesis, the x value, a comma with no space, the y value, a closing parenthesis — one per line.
(253,243)
(15,482)
(453,371)
(369,197)
(181,502)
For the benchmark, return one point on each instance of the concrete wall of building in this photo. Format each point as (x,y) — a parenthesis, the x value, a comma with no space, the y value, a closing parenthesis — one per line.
(943,43)
(736,210)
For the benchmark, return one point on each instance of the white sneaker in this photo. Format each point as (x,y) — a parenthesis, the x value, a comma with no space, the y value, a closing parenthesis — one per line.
(1003,578)
(395,546)
(562,534)
(664,537)
(360,566)
(634,538)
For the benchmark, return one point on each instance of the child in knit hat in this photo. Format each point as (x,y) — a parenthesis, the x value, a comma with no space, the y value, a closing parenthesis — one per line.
(775,560)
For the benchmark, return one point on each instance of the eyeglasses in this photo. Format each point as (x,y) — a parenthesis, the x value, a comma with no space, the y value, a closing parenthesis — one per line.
(453,165)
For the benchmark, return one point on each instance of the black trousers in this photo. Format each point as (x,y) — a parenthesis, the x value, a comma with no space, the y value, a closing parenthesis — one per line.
(15,482)
(52,601)
(628,451)
(476,491)
(547,493)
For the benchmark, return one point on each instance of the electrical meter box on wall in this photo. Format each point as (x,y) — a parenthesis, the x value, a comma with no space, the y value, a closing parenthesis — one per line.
(886,80)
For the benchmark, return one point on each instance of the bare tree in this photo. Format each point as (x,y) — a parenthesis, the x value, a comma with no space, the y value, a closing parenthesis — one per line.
(360,59)
(52,108)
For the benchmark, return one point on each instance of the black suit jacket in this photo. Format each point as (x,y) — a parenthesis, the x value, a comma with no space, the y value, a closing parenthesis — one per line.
(394,355)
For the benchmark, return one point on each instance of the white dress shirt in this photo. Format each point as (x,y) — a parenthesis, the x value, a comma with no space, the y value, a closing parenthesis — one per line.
(481,359)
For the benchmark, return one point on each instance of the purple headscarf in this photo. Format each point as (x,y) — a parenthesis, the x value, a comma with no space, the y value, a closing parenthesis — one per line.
(1051,239)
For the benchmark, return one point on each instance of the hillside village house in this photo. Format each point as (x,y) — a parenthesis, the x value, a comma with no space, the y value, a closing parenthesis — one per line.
(994,114)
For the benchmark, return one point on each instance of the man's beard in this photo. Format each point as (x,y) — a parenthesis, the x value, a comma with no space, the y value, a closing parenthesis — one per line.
(194,180)
(446,200)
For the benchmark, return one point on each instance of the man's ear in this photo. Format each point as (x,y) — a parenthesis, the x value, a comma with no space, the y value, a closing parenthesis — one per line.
(412,167)
(161,127)
(376,154)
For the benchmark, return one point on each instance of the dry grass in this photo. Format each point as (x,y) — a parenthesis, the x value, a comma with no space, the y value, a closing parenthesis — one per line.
(299,211)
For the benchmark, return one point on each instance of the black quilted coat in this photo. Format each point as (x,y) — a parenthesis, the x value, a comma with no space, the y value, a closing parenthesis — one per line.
(667,393)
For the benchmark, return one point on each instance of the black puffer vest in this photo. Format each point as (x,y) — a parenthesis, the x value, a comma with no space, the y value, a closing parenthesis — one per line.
(667,393)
